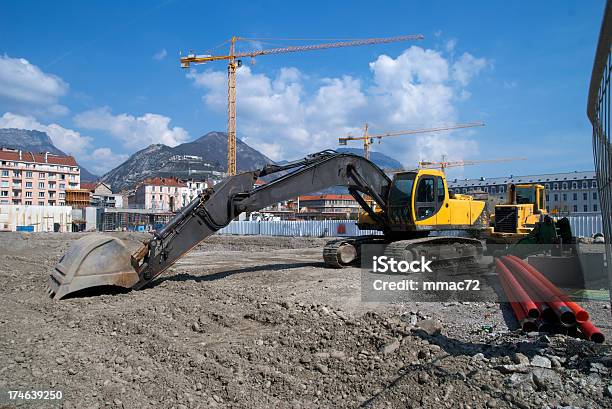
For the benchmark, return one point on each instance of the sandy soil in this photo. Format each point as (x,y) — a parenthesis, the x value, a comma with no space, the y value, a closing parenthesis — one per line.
(257,322)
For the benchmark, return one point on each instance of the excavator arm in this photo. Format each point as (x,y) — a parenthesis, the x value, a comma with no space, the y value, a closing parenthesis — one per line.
(103,260)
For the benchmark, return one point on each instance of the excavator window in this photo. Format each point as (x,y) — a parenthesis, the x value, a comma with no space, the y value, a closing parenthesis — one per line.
(401,189)
(440,189)
(425,199)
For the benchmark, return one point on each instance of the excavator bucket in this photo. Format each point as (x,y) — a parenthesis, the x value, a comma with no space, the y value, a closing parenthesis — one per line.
(92,261)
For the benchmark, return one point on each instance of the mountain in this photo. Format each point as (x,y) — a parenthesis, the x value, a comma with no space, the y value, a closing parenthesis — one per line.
(212,147)
(380,159)
(35,141)
(203,158)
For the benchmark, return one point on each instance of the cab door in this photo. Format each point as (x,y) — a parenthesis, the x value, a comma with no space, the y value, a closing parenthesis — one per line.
(443,216)
(425,200)
(430,201)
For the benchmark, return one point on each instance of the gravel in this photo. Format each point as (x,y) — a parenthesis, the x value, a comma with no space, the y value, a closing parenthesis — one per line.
(257,322)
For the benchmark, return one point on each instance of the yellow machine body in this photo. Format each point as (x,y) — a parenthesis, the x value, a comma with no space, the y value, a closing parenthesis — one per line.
(525,205)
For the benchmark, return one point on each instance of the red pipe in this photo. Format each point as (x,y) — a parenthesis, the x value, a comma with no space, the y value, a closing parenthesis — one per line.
(581,314)
(526,324)
(591,332)
(519,293)
(565,314)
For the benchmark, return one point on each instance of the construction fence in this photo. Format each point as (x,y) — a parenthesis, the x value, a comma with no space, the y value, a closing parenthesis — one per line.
(582,225)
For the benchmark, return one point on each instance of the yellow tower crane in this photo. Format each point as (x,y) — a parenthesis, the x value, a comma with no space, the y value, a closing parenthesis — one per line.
(369,139)
(234,63)
(452,164)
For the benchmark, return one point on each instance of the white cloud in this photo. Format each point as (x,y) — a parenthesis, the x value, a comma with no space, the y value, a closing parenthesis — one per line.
(467,66)
(160,55)
(133,132)
(24,88)
(102,160)
(67,140)
(419,88)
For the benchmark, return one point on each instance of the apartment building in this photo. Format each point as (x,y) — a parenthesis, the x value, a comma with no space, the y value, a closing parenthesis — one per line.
(169,194)
(566,193)
(41,179)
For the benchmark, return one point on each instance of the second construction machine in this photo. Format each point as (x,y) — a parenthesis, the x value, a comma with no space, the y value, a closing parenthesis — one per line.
(405,209)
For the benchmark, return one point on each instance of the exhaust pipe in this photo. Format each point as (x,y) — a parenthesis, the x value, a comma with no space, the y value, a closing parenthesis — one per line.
(581,314)
(565,314)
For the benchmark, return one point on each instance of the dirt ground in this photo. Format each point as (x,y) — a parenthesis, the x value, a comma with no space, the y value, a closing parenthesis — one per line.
(258,322)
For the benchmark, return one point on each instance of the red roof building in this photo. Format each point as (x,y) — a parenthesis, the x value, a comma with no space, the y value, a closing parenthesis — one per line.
(28,178)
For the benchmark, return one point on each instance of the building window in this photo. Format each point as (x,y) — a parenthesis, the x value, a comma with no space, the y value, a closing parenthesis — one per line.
(29,174)
(574,185)
(41,203)
(547,209)
(585,185)
(556,186)
(4,193)
(16,174)
(41,194)
(564,185)
(594,207)
(585,208)
(41,185)
(501,189)
(547,186)
(28,194)
(565,197)
(41,175)
(575,208)
(4,183)
(28,185)
(585,196)
(28,202)
(594,195)
(5,173)
(594,185)
(62,186)
(556,197)
(547,197)
(575,196)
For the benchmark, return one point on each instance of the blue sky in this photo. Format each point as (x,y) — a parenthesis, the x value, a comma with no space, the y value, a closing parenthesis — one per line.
(103,78)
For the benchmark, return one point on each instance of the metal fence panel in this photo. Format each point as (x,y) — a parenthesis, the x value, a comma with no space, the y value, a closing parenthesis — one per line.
(582,225)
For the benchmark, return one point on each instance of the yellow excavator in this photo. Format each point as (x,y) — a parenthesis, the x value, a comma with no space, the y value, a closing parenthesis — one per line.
(405,209)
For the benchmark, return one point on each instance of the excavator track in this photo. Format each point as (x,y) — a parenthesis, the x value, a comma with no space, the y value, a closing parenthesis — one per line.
(346,252)
(443,251)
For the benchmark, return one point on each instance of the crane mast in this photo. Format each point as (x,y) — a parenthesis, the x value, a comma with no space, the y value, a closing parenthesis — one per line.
(234,62)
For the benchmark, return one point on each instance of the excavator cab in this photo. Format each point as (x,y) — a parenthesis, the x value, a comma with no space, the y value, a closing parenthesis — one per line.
(419,202)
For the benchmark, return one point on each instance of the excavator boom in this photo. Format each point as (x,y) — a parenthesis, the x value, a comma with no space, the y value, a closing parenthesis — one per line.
(99,260)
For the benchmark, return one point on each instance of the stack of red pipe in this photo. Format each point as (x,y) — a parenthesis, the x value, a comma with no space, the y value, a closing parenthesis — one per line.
(540,305)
